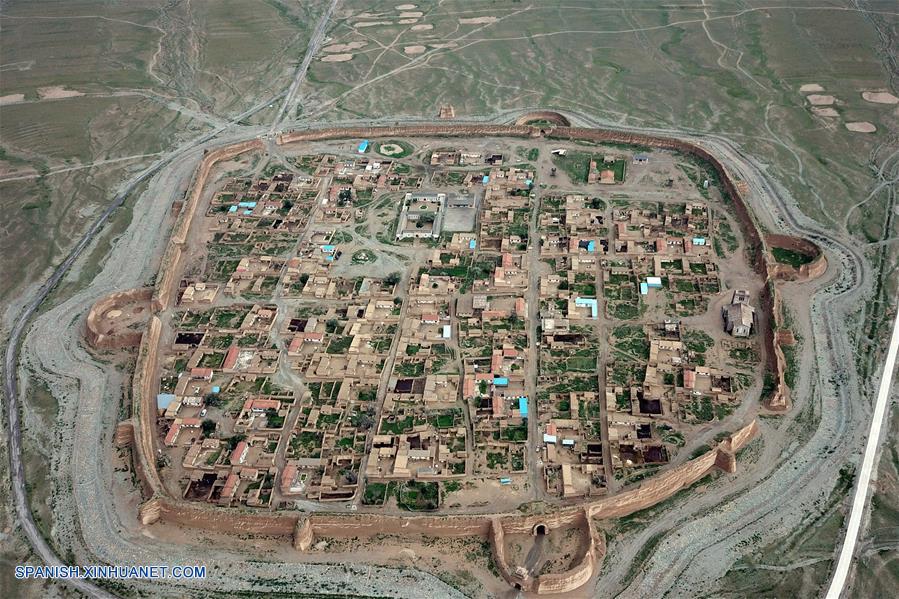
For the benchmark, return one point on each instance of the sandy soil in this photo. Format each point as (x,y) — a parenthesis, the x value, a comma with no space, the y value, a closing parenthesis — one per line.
(55,92)
(372,23)
(446,45)
(828,112)
(820,100)
(337,57)
(11,98)
(880,97)
(414,49)
(411,15)
(423,27)
(477,20)
(811,87)
(344,47)
(861,127)
(407,21)
(406,7)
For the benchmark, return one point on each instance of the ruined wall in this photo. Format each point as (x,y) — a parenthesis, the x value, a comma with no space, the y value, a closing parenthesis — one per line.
(786,272)
(498,553)
(354,525)
(143,409)
(408,131)
(230,521)
(586,558)
(779,401)
(303,528)
(741,438)
(572,579)
(124,434)
(336,524)
(654,490)
(93,330)
(544,115)
(167,281)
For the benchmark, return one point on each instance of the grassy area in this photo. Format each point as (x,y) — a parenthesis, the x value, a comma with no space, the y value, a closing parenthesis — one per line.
(698,341)
(791,257)
(418,496)
(574,164)
(377,493)
(405,148)
(339,345)
(364,257)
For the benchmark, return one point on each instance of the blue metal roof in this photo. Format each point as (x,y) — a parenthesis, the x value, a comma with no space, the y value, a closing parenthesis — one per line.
(164,399)
(589,302)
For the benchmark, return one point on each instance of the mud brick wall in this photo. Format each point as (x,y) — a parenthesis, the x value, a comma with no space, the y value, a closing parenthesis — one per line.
(92,323)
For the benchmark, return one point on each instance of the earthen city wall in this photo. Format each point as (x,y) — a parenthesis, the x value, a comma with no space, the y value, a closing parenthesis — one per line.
(162,507)
(93,329)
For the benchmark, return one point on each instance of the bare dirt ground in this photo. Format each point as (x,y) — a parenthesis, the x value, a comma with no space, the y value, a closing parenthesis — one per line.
(861,127)
(820,100)
(880,97)
(337,58)
(826,112)
(11,99)
(57,92)
(344,47)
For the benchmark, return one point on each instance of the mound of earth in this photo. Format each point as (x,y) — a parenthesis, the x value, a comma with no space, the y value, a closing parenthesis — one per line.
(811,87)
(11,98)
(880,97)
(413,50)
(861,127)
(55,92)
(344,47)
(477,20)
(337,57)
(820,100)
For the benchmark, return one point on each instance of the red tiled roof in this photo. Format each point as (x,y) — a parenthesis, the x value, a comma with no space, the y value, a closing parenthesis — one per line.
(230,358)
(201,373)
(238,454)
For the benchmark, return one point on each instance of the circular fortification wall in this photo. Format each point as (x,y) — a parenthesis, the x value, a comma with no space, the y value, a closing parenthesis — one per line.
(543,116)
(782,247)
(119,320)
